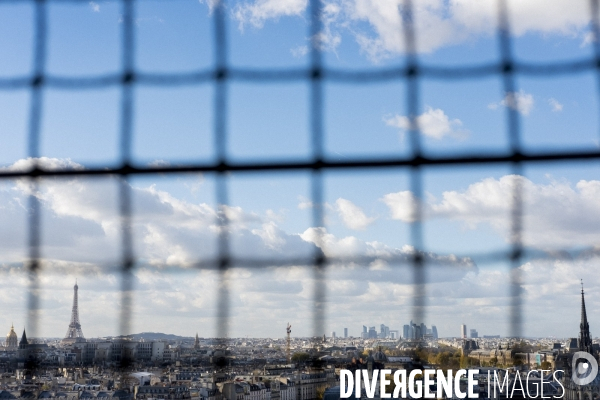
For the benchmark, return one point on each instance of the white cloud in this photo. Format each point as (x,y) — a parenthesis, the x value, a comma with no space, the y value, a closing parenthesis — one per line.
(256,13)
(94,6)
(555,105)
(304,203)
(438,23)
(81,231)
(552,285)
(271,235)
(588,38)
(210,3)
(81,239)
(354,251)
(433,123)
(329,38)
(332,246)
(401,205)
(299,52)
(185,302)
(352,215)
(82,224)
(519,101)
(556,214)
(259,11)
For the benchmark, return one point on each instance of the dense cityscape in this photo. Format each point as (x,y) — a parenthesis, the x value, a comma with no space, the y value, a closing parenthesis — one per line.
(162,366)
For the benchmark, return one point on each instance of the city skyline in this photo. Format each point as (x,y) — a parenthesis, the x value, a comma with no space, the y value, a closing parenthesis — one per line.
(265,369)
(207,331)
(75,330)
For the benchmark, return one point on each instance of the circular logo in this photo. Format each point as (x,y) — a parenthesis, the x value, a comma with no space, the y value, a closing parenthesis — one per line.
(584,368)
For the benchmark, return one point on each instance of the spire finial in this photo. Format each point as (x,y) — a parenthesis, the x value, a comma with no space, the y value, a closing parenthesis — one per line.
(581,285)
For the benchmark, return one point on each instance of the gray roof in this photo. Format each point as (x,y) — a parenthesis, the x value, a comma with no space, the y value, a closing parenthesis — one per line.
(121,394)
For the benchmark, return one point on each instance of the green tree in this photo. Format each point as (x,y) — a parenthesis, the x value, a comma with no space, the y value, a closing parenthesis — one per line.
(517,362)
(391,386)
(320,393)
(443,358)
(422,354)
(300,357)
(546,365)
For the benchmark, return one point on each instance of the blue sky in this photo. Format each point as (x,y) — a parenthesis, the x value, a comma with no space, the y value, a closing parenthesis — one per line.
(466,211)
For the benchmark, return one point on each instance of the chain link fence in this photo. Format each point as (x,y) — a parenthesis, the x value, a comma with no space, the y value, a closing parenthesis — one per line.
(411,72)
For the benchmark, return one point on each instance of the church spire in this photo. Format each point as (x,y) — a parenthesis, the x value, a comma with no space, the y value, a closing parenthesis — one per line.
(24,342)
(585,339)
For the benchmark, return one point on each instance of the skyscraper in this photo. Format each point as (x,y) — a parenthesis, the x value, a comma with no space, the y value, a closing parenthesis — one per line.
(434,331)
(406,332)
(345,332)
(74,332)
(474,334)
(372,333)
(384,331)
(463,331)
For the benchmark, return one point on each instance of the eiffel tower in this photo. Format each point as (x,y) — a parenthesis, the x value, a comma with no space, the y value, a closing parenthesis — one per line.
(74,333)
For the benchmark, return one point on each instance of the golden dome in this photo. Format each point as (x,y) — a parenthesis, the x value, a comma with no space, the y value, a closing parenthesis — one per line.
(12,341)
(12,332)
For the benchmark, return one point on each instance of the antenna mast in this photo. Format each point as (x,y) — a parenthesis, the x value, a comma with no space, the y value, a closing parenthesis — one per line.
(289,331)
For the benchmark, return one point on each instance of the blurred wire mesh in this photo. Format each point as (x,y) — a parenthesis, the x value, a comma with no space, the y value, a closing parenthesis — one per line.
(411,72)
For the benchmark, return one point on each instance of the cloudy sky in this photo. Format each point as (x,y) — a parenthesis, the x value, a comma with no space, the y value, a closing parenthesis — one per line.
(466,210)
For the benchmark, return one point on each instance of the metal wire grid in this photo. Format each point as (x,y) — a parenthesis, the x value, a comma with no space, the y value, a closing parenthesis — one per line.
(411,72)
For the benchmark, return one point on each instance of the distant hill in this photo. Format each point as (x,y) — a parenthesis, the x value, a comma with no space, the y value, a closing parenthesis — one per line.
(159,336)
